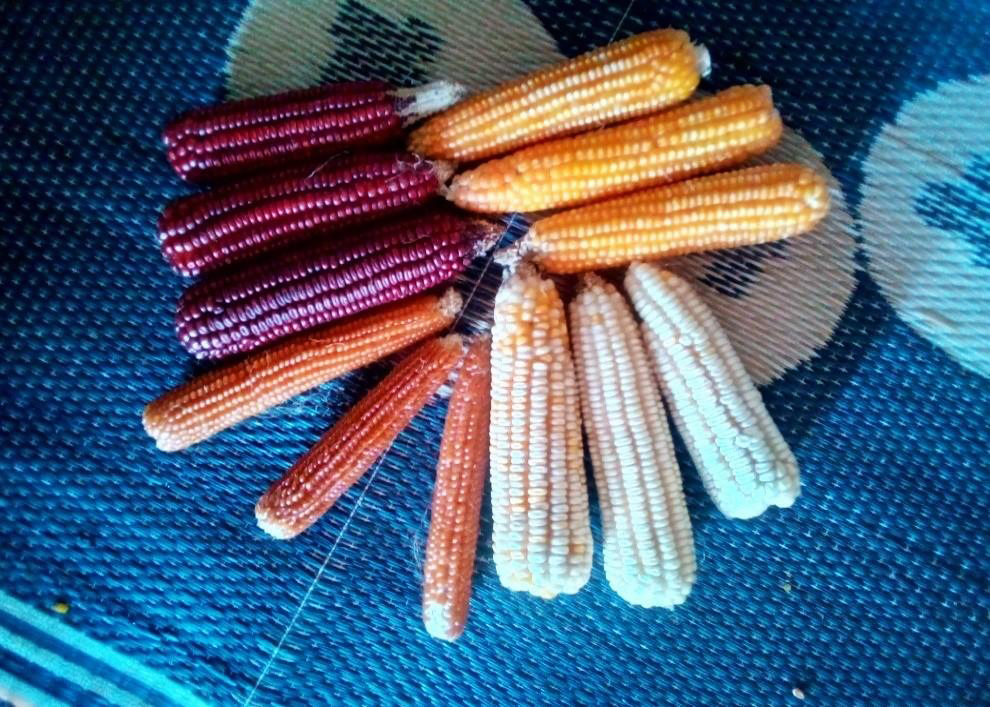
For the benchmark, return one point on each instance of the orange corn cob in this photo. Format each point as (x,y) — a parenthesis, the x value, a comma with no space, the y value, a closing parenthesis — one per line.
(223,397)
(315,482)
(702,136)
(456,510)
(725,210)
(623,80)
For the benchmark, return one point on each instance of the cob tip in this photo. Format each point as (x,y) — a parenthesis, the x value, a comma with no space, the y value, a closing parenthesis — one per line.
(489,235)
(163,441)
(444,170)
(272,527)
(436,619)
(510,257)
(589,281)
(702,60)
(817,197)
(450,303)
(453,342)
(421,101)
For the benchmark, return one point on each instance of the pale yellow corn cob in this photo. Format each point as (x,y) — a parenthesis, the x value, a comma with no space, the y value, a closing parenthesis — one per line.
(743,460)
(726,210)
(701,136)
(542,537)
(633,77)
(649,546)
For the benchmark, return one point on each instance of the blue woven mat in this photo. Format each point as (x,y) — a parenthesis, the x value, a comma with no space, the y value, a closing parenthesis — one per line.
(872,343)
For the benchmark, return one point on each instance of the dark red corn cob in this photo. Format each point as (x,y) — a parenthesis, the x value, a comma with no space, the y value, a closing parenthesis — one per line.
(204,231)
(220,141)
(240,311)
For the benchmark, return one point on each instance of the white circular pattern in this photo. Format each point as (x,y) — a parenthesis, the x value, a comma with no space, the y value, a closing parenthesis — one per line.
(780,302)
(282,44)
(924,193)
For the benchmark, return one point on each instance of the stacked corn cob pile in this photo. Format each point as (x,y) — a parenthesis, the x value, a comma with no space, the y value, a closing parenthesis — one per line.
(310,271)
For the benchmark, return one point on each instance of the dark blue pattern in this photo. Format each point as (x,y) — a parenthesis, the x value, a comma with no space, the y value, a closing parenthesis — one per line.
(963,206)
(873,588)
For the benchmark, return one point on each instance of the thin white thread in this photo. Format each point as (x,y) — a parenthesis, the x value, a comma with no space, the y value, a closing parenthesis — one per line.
(481,275)
(326,561)
(621,21)
(374,473)
(316,580)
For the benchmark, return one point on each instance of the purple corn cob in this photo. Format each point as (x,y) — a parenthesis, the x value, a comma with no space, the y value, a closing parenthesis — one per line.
(237,137)
(204,231)
(240,311)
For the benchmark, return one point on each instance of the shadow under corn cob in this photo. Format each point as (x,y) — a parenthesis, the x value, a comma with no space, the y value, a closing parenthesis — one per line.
(236,137)
(240,311)
(204,231)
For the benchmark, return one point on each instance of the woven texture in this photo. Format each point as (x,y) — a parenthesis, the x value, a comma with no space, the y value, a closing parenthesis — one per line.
(872,349)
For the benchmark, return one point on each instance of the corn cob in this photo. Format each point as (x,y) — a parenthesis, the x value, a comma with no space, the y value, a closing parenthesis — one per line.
(456,510)
(743,460)
(542,536)
(240,311)
(207,230)
(227,395)
(702,136)
(315,482)
(259,133)
(725,210)
(623,80)
(649,548)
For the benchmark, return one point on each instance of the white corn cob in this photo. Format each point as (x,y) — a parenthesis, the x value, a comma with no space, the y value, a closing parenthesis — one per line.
(649,547)
(542,536)
(743,460)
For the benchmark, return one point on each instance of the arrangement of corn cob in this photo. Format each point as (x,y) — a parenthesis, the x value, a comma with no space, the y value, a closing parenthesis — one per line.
(317,258)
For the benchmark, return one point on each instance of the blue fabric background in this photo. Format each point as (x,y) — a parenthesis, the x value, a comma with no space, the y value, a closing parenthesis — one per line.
(872,589)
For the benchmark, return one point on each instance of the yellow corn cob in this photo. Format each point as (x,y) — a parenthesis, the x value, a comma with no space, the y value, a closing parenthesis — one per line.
(649,547)
(227,395)
(636,76)
(702,136)
(541,537)
(456,509)
(743,460)
(753,205)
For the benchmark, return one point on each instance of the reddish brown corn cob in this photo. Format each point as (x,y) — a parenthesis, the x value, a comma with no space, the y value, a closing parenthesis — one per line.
(241,311)
(726,210)
(244,136)
(227,395)
(456,509)
(311,487)
(701,136)
(204,231)
(636,76)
